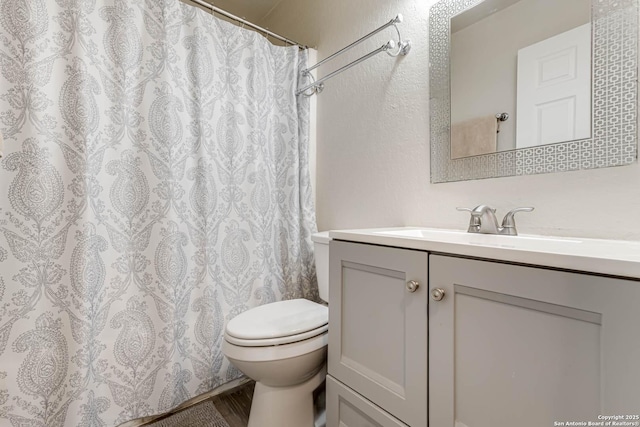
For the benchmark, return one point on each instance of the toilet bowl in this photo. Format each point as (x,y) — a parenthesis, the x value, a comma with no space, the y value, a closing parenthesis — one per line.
(283,347)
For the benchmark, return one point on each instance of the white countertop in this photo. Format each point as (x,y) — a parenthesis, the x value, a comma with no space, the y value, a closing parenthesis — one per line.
(610,257)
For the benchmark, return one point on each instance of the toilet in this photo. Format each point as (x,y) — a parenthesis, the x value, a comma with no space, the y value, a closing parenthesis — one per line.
(283,347)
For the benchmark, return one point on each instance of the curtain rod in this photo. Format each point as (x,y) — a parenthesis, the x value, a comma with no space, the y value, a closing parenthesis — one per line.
(247,23)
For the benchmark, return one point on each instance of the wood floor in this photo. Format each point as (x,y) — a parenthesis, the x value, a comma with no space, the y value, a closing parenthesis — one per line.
(235,405)
(230,408)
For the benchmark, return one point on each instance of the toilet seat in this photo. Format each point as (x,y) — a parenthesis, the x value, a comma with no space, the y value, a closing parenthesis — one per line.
(278,323)
(266,342)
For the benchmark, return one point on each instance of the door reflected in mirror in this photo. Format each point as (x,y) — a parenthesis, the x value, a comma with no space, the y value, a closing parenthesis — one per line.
(530,59)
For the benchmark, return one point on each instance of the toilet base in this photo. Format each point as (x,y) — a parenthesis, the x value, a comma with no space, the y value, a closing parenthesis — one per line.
(290,406)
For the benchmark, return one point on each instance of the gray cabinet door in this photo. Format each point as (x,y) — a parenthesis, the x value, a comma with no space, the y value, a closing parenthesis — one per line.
(378,327)
(513,345)
(346,408)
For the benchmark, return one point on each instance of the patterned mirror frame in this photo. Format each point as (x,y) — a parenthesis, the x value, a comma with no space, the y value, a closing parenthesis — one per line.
(614,125)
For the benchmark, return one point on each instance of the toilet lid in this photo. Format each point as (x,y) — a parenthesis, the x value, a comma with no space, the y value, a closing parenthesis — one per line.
(278,319)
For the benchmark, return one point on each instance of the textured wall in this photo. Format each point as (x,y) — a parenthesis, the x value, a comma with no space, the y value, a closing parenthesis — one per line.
(373,140)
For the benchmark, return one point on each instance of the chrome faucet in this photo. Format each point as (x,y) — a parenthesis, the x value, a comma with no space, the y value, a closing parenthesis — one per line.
(484,221)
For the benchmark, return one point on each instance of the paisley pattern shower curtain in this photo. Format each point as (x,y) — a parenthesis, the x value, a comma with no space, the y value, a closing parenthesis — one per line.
(155,184)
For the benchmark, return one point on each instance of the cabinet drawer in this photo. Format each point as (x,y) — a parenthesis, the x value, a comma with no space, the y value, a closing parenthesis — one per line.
(345,408)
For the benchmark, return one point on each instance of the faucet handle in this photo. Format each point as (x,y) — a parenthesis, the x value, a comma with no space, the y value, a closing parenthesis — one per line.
(509,221)
(474,222)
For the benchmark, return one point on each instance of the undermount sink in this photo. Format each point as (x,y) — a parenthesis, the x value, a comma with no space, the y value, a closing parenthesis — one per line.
(462,237)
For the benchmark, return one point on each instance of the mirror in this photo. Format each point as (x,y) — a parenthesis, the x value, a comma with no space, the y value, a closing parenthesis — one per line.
(539,75)
(567,79)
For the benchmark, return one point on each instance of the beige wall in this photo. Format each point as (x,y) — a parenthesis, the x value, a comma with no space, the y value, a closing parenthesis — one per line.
(373,140)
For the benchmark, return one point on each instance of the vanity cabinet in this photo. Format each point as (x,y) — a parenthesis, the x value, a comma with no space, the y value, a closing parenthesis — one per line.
(515,345)
(377,334)
(507,344)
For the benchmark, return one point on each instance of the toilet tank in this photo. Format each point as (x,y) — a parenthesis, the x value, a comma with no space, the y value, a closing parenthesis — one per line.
(321,249)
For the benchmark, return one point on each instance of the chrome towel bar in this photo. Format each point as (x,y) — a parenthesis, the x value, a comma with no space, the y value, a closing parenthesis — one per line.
(403,46)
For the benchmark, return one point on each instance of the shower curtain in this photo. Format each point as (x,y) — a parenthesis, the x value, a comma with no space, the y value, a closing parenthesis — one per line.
(155,184)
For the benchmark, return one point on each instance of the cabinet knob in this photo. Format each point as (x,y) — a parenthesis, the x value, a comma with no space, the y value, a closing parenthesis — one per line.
(437,294)
(412,286)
